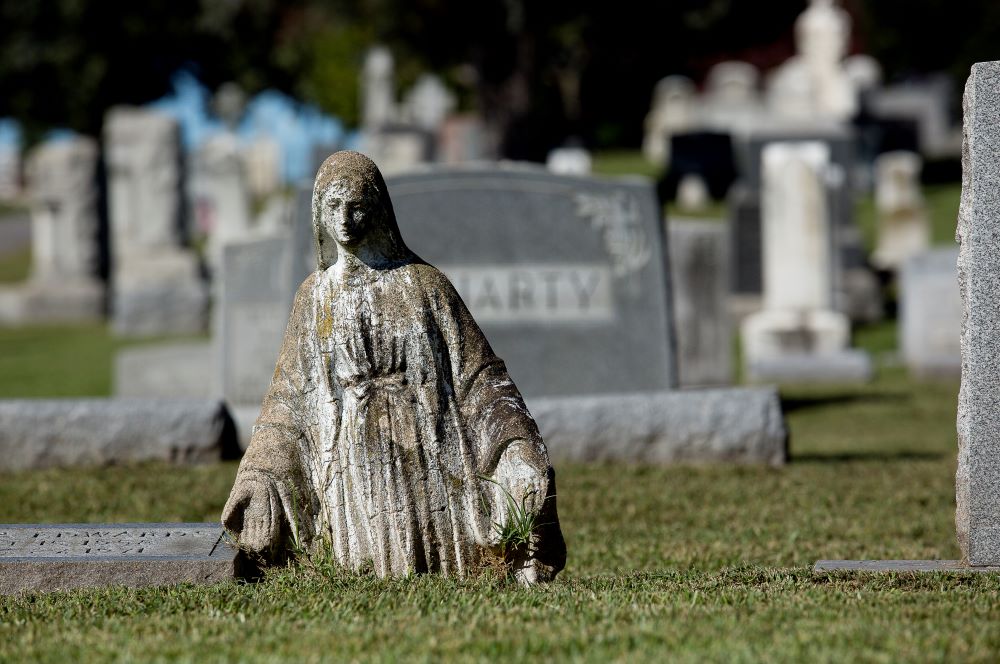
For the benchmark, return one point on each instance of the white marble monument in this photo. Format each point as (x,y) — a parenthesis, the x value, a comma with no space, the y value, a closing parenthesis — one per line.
(674,110)
(904,230)
(798,336)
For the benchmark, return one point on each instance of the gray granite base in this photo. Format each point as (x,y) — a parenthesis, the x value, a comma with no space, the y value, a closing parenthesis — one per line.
(171,370)
(898,566)
(43,558)
(848,366)
(45,433)
(723,425)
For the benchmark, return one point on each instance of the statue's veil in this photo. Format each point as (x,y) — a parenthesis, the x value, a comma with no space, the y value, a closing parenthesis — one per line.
(383,232)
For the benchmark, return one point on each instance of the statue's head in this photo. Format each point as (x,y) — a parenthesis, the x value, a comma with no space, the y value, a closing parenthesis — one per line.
(351,212)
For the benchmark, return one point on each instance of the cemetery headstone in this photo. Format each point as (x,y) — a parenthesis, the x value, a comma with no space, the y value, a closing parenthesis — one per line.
(10,172)
(63,285)
(512,272)
(977,484)
(397,149)
(822,36)
(856,290)
(171,369)
(577,265)
(428,103)
(732,101)
(378,89)
(903,227)
(49,557)
(569,161)
(255,296)
(798,327)
(692,193)
(262,164)
(930,314)
(156,281)
(699,266)
(977,481)
(744,240)
(466,138)
(674,110)
(221,198)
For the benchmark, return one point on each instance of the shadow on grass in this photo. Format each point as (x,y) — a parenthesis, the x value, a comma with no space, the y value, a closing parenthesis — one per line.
(796,403)
(867,456)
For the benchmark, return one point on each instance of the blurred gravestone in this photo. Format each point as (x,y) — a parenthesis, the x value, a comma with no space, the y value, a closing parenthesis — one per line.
(255,297)
(568,278)
(157,282)
(856,290)
(63,285)
(699,266)
(219,189)
(744,240)
(569,161)
(931,313)
(903,227)
(428,103)
(674,110)
(566,275)
(798,336)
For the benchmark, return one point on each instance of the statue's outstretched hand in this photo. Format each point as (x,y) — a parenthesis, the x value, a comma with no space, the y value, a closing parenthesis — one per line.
(252,514)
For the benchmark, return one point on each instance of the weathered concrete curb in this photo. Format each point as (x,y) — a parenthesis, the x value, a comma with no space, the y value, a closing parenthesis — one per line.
(43,433)
(726,425)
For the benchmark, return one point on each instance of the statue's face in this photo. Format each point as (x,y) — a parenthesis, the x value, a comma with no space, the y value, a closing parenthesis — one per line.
(346,212)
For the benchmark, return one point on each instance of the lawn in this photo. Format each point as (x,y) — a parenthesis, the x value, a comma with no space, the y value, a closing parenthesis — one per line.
(682,563)
(690,563)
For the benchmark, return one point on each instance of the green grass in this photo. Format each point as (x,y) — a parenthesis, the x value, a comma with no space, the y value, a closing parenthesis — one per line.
(56,361)
(624,162)
(15,266)
(63,361)
(680,563)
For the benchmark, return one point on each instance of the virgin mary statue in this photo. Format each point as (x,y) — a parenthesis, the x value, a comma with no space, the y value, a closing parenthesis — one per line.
(391,433)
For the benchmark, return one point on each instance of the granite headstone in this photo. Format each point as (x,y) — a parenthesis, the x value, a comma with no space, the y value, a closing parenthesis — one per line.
(930,314)
(574,265)
(699,266)
(49,557)
(977,481)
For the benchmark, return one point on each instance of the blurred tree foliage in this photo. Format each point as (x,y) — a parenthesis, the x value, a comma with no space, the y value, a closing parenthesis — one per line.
(540,71)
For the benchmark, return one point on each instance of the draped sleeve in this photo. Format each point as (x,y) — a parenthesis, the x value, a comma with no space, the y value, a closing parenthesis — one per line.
(491,405)
(278,455)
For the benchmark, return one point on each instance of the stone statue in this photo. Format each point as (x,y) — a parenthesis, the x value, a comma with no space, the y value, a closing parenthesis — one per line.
(391,433)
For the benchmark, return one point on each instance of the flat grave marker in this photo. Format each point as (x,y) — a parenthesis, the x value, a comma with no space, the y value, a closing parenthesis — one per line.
(46,557)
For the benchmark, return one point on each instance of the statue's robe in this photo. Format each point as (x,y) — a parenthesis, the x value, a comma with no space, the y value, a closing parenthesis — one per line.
(386,413)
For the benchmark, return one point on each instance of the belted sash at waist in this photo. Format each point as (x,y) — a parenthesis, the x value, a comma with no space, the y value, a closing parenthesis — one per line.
(362,389)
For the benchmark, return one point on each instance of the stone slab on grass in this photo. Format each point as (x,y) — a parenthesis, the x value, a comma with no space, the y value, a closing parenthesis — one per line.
(897,566)
(723,425)
(45,433)
(42,558)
